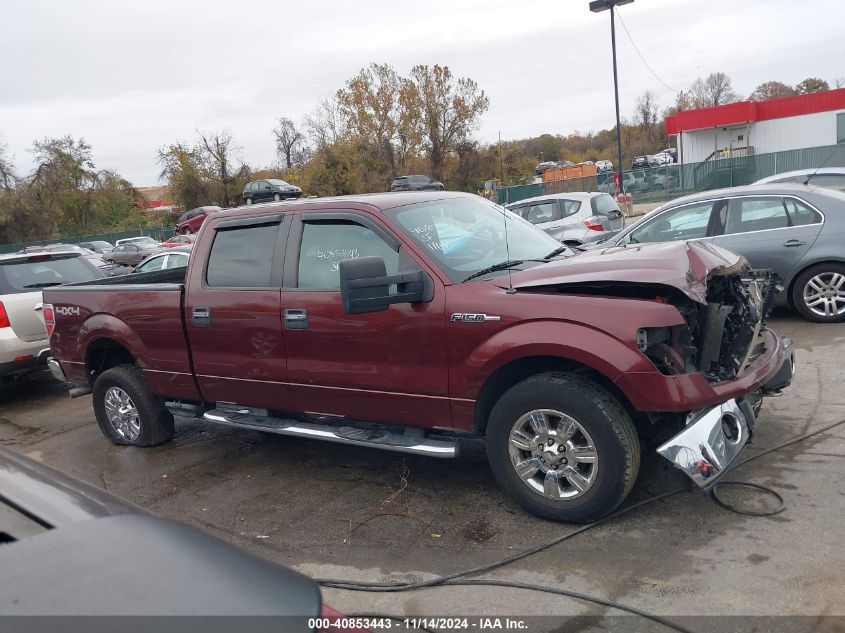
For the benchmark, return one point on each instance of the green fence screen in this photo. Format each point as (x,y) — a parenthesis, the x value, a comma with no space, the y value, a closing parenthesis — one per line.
(661,184)
(160,233)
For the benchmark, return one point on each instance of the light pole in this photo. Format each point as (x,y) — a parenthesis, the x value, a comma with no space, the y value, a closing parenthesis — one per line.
(597,6)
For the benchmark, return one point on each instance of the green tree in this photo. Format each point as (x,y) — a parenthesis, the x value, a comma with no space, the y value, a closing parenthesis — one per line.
(812,84)
(182,169)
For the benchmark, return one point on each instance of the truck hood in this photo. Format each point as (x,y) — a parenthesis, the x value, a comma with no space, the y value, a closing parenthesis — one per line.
(684,266)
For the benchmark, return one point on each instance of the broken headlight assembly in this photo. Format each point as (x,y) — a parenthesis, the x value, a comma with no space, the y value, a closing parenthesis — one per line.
(669,348)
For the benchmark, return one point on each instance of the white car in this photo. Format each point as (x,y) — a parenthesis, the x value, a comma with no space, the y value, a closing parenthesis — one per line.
(664,158)
(23,339)
(145,239)
(604,166)
(827,177)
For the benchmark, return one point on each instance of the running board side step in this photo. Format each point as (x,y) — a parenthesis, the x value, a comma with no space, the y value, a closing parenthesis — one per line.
(368,435)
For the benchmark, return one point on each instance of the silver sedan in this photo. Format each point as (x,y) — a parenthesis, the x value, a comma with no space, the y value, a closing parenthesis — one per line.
(798,231)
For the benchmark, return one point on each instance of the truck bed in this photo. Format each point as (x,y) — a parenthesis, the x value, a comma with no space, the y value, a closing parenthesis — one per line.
(169,276)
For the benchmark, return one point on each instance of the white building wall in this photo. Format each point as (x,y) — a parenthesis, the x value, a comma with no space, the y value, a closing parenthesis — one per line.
(774,135)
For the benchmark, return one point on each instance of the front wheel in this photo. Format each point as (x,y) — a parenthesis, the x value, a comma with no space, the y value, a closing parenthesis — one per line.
(249,201)
(127,412)
(819,293)
(563,447)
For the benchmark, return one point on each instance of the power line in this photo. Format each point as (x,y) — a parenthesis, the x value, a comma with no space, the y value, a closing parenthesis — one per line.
(631,39)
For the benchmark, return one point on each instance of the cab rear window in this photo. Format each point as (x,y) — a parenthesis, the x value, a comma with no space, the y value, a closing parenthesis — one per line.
(37,273)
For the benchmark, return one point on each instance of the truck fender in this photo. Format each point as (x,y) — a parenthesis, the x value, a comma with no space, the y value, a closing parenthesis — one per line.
(100,326)
(559,339)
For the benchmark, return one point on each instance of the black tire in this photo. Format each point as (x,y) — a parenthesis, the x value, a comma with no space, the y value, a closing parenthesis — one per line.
(277,197)
(599,413)
(248,201)
(156,422)
(827,269)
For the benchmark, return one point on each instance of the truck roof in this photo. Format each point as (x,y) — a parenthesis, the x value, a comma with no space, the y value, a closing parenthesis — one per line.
(381,201)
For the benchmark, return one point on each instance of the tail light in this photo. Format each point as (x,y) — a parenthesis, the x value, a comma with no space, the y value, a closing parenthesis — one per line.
(594,224)
(49,318)
(4,318)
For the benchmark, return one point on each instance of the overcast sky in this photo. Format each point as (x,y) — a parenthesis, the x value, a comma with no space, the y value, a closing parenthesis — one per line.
(130,77)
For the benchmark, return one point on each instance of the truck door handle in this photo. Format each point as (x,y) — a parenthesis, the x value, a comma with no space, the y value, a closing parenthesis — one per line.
(201,316)
(793,243)
(296,319)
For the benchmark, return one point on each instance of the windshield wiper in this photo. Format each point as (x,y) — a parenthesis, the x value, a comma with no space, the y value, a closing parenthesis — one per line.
(45,284)
(557,251)
(510,263)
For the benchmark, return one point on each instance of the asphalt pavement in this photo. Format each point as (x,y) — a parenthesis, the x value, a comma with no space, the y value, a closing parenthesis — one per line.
(337,511)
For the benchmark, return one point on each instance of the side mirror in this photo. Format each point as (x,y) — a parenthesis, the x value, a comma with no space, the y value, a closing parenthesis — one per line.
(365,286)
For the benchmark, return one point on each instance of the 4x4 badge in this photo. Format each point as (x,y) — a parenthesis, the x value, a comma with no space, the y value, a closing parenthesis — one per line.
(474,318)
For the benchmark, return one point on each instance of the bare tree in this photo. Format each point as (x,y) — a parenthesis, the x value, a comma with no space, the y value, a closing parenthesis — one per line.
(839,82)
(290,139)
(645,112)
(713,90)
(217,151)
(7,174)
(325,124)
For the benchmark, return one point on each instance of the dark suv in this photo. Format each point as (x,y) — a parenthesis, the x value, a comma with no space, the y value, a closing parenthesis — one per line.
(191,221)
(270,189)
(644,162)
(415,183)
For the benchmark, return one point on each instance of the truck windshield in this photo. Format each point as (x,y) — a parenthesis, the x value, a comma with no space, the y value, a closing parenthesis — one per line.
(465,235)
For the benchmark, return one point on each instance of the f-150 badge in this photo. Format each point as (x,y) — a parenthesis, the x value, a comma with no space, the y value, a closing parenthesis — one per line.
(474,318)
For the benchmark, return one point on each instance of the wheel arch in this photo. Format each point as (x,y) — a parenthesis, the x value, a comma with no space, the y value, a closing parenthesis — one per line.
(802,268)
(104,353)
(517,370)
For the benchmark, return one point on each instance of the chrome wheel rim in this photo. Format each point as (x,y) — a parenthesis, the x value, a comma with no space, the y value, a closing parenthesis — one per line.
(553,454)
(122,414)
(824,294)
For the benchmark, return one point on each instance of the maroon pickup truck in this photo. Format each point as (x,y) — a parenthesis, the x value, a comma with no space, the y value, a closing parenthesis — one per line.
(408,321)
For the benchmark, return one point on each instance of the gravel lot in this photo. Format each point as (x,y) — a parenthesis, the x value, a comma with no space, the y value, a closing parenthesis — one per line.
(331,510)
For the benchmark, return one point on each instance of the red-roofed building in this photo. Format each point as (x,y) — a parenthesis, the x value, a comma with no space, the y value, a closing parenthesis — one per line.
(760,127)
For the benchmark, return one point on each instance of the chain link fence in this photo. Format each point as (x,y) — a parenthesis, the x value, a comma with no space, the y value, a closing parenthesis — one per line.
(667,182)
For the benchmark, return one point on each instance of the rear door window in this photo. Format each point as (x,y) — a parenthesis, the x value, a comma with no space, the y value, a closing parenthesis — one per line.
(755,214)
(156,263)
(540,212)
(242,257)
(30,276)
(800,213)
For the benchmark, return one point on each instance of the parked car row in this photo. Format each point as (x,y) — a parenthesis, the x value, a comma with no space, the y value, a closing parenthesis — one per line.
(572,218)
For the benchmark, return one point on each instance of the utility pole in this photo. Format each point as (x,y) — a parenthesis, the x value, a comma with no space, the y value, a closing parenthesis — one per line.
(597,6)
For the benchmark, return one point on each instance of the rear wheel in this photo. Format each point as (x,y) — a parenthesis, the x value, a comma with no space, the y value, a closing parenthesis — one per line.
(819,293)
(127,412)
(277,197)
(563,447)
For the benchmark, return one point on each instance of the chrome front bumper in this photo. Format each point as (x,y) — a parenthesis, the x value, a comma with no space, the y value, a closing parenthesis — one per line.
(711,442)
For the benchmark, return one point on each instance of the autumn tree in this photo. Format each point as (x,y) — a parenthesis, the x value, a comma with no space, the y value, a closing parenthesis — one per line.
(715,89)
(217,153)
(645,110)
(771,90)
(290,142)
(182,169)
(377,109)
(812,84)
(449,110)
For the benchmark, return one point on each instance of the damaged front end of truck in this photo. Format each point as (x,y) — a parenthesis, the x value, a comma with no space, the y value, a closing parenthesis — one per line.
(724,304)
